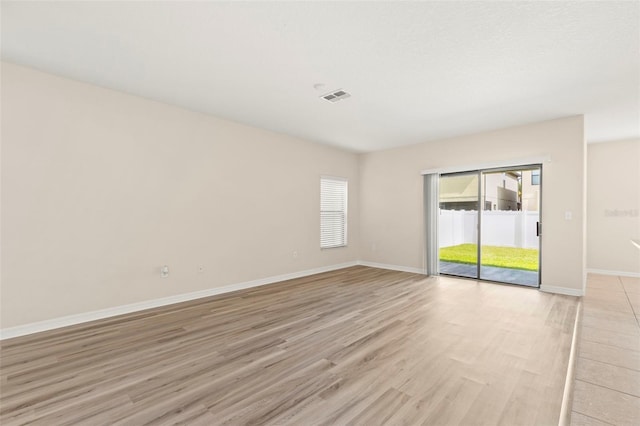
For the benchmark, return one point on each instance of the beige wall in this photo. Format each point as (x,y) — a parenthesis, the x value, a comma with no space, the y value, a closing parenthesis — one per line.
(613,206)
(99,189)
(391,220)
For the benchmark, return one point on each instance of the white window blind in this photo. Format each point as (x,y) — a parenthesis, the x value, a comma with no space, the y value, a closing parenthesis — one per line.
(333,212)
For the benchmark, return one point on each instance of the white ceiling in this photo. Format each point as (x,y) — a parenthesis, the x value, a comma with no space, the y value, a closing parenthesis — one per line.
(416,71)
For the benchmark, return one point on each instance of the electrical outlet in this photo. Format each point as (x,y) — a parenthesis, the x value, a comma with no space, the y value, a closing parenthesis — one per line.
(164,271)
(200,269)
(295,254)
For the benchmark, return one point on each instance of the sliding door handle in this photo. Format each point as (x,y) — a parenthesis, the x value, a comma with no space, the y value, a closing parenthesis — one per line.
(538,229)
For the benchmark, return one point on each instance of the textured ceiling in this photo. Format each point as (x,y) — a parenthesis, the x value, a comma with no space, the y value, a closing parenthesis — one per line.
(416,71)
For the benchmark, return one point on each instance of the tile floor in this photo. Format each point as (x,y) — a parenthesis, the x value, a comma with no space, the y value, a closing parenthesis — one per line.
(607,375)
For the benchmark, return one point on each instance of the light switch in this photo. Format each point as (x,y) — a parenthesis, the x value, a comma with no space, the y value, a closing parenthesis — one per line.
(568,215)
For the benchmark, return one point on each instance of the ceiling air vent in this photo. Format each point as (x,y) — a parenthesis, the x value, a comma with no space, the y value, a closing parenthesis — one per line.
(336,96)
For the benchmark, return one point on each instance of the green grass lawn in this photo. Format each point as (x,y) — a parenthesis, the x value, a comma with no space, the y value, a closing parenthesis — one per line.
(502,257)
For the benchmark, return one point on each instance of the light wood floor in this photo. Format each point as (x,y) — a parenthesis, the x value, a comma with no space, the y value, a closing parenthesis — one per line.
(607,376)
(355,346)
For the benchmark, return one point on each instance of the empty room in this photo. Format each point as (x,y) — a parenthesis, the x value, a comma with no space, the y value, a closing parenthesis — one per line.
(319,213)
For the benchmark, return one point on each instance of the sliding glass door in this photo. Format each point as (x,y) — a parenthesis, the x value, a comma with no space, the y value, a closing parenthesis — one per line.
(489,225)
(509,249)
(458,224)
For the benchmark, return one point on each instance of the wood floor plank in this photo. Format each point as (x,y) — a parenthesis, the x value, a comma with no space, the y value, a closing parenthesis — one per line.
(360,346)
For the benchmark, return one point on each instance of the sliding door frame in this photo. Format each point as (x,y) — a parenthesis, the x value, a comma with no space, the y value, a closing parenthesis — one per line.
(522,168)
(480,174)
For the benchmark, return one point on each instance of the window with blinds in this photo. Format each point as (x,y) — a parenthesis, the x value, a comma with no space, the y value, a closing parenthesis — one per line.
(333,212)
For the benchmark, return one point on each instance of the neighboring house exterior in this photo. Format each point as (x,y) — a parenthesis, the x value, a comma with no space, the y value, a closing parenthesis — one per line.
(503,191)
(510,209)
(459,192)
(530,187)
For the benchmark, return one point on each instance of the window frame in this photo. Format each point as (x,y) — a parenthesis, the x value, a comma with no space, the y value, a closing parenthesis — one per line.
(535,175)
(344,212)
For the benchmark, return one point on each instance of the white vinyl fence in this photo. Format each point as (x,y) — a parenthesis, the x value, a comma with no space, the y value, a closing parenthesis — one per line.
(499,228)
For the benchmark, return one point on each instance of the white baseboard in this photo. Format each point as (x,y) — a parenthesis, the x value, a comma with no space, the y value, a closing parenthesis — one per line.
(66,321)
(562,290)
(36,327)
(617,273)
(392,267)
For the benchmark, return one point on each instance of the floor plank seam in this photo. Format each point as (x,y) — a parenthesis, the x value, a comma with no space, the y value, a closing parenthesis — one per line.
(608,363)
(635,314)
(359,345)
(608,388)
(594,418)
